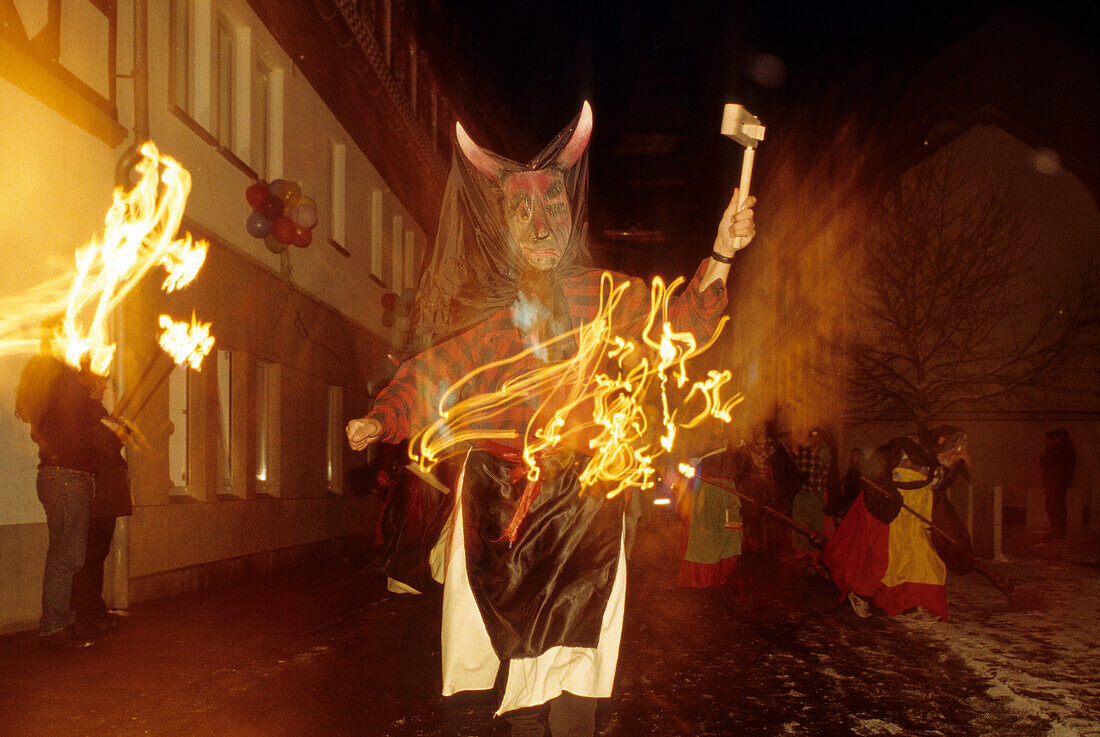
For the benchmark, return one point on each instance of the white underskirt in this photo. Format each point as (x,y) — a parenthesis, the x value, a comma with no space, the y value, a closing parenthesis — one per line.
(471,664)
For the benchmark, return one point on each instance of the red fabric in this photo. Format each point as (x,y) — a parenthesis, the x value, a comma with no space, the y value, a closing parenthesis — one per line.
(858,553)
(857,557)
(530,492)
(410,402)
(702,575)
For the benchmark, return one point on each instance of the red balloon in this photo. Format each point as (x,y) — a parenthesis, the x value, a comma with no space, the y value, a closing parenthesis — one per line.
(284,229)
(270,207)
(255,193)
(302,236)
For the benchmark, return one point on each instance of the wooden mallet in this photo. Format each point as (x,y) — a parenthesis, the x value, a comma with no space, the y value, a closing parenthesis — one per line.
(744,128)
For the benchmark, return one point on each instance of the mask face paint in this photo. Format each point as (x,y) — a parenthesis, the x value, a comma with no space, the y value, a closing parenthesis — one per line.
(505,228)
(537,214)
(535,201)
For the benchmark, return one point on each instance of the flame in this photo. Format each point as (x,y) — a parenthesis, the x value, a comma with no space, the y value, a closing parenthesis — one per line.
(186,343)
(139,234)
(613,375)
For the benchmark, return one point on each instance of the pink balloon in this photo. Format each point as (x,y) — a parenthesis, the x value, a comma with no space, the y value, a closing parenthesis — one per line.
(304,215)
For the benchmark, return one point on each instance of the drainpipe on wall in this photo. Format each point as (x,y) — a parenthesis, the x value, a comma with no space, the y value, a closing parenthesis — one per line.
(118,562)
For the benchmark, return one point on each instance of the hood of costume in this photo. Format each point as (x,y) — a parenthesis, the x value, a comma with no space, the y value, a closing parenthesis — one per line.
(906,453)
(473,269)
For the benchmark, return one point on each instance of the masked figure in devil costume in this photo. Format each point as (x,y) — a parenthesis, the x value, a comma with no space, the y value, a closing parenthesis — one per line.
(535,574)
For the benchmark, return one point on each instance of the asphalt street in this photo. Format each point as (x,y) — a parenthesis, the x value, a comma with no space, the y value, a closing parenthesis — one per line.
(326,650)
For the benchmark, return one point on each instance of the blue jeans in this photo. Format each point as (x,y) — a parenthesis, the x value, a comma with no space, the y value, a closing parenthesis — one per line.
(66,496)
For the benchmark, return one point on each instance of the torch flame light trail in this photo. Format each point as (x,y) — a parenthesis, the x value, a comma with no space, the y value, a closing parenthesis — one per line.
(186,343)
(140,233)
(610,374)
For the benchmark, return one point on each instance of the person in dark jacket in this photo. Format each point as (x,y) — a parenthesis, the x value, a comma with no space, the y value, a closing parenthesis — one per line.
(56,400)
(111,501)
(1057,464)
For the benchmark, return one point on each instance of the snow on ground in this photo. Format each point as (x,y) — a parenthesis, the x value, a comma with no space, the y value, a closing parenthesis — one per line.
(1045,663)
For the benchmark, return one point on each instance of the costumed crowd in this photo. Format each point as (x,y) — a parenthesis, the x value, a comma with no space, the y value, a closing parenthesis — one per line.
(531,567)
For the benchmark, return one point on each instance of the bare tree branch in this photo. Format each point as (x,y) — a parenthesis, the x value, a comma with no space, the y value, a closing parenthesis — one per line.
(952,316)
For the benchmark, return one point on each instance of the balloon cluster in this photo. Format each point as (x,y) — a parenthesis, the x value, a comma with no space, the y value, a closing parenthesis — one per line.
(281,214)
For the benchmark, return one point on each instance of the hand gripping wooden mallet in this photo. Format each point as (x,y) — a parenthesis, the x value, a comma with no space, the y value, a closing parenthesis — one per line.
(745,128)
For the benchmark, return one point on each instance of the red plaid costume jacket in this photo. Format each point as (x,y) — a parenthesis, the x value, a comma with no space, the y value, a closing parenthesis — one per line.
(410,402)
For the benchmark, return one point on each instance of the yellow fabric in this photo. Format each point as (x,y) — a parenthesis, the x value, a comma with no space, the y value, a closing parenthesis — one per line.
(912,557)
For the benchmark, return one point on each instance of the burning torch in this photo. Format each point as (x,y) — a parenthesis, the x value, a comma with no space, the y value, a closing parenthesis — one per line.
(181,344)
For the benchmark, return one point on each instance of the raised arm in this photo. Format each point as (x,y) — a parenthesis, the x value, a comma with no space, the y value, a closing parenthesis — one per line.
(735,231)
(698,308)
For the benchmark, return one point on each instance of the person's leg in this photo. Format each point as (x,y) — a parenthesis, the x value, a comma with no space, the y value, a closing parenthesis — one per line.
(66,496)
(525,722)
(88,581)
(572,716)
(1058,519)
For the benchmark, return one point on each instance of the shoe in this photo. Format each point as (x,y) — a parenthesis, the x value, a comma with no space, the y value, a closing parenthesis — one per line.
(859,605)
(920,615)
(65,638)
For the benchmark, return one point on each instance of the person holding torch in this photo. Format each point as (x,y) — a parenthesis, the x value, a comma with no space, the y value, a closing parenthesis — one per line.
(535,576)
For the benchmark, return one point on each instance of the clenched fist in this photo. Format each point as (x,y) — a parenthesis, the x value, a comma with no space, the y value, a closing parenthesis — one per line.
(737,227)
(363,432)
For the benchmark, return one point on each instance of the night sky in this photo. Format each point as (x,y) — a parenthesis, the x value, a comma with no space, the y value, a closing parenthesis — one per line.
(658,75)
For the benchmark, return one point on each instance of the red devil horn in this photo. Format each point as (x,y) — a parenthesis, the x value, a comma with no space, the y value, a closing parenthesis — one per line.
(579,140)
(475,155)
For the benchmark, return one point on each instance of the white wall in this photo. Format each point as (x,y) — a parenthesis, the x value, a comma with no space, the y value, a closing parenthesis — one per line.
(59,183)
(58,186)
(217,196)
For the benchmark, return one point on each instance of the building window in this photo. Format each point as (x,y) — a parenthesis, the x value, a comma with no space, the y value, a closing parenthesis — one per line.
(64,55)
(336,440)
(337,191)
(223,77)
(397,242)
(265,140)
(376,245)
(261,101)
(225,424)
(189,67)
(410,259)
(386,31)
(179,54)
(200,56)
(178,395)
(414,58)
(86,44)
(263,415)
(210,84)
